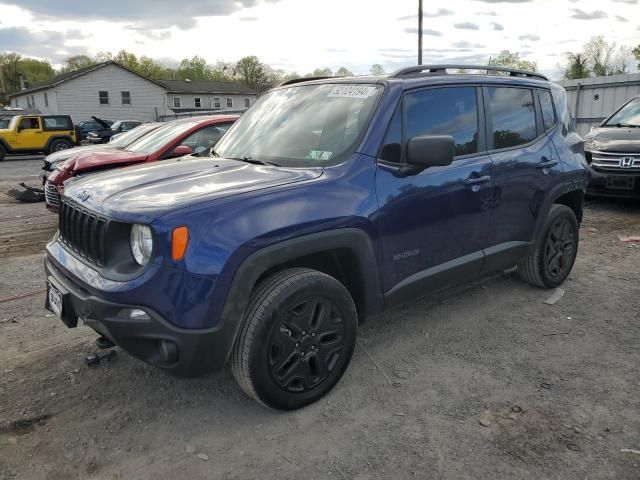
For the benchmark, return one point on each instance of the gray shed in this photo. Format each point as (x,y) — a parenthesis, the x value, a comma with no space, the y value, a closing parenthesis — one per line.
(593,99)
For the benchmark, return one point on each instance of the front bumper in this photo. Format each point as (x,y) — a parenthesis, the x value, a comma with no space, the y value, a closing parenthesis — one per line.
(152,339)
(613,184)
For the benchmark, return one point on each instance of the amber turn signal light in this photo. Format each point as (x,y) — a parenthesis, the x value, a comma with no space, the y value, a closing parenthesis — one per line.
(179,242)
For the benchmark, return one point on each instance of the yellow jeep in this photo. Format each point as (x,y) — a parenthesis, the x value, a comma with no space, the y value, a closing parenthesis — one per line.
(28,134)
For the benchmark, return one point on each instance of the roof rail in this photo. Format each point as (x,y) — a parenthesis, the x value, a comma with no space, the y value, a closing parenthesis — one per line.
(442,70)
(301,79)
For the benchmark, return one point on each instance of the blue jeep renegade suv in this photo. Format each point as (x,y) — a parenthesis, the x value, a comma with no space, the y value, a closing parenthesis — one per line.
(327,202)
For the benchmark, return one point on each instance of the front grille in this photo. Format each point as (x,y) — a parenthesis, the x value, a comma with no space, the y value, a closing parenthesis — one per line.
(83,232)
(51,195)
(619,162)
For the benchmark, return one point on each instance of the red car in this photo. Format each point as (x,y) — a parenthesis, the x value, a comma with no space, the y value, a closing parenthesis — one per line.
(194,135)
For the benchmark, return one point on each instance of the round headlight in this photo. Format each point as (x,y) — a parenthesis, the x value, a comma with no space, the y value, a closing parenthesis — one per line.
(141,241)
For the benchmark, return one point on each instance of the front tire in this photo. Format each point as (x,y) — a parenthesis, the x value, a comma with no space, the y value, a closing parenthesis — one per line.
(297,338)
(555,253)
(59,145)
(3,153)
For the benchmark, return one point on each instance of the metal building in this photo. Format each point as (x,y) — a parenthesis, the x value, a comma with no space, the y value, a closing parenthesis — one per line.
(593,99)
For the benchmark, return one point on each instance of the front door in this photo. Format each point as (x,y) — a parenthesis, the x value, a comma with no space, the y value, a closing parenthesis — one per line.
(526,166)
(434,224)
(29,134)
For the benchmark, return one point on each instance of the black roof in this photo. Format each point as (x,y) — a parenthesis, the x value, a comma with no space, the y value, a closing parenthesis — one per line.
(205,86)
(176,86)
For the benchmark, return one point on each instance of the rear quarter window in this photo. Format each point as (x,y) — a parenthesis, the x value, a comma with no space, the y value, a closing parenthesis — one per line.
(57,123)
(548,112)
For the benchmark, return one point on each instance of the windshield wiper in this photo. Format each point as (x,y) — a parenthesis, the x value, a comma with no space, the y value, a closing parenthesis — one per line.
(248,159)
(630,125)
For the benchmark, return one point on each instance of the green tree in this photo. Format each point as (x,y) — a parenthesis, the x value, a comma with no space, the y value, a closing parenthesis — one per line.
(343,72)
(321,72)
(599,54)
(77,62)
(510,59)
(251,72)
(376,69)
(195,68)
(636,54)
(577,66)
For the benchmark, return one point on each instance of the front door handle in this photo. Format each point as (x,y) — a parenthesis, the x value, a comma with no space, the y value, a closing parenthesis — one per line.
(546,163)
(471,181)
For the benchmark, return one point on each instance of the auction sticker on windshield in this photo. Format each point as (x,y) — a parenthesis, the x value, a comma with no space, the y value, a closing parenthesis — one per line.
(319,155)
(352,91)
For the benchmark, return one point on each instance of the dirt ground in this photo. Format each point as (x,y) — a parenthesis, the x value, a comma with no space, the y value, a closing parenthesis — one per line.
(483,382)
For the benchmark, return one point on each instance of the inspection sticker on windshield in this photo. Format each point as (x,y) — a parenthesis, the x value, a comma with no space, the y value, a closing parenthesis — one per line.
(319,155)
(351,91)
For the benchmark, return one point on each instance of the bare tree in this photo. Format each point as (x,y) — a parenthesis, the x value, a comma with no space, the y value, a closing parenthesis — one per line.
(577,66)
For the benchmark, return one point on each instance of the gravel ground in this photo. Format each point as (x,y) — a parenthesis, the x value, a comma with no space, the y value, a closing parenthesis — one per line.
(482,382)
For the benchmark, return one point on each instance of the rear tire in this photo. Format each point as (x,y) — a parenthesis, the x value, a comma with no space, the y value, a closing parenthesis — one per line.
(58,145)
(555,253)
(296,340)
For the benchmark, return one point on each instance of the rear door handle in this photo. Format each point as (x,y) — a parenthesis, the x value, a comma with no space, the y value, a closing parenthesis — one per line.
(546,163)
(471,181)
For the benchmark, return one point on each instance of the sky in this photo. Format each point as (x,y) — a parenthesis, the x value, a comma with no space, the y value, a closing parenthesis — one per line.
(301,35)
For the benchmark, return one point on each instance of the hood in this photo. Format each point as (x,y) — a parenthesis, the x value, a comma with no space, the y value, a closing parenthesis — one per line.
(101,158)
(62,155)
(101,122)
(614,139)
(154,189)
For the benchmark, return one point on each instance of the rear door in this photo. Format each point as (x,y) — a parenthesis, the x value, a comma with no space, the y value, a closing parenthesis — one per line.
(434,224)
(526,166)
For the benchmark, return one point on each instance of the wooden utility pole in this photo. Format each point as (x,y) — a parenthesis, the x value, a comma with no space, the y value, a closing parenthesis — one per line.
(419,32)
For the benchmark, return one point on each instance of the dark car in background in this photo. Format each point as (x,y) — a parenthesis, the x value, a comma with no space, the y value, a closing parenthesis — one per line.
(84,128)
(117,142)
(104,135)
(612,150)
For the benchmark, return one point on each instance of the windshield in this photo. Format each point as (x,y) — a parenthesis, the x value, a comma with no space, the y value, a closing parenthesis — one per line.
(308,125)
(160,137)
(628,115)
(132,135)
(116,125)
(14,123)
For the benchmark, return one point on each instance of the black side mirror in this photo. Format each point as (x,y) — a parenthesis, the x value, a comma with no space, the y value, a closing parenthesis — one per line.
(430,150)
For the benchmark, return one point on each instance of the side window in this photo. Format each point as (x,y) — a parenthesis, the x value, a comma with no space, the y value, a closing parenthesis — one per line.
(445,111)
(202,140)
(29,123)
(513,115)
(391,150)
(546,105)
(57,123)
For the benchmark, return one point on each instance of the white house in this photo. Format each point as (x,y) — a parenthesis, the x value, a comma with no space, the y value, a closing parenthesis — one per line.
(114,92)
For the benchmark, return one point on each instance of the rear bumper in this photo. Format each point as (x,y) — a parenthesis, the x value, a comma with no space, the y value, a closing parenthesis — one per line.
(614,184)
(150,338)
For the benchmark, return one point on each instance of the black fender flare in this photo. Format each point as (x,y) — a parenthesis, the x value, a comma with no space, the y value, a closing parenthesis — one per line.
(58,137)
(257,263)
(5,145)
(564,187)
